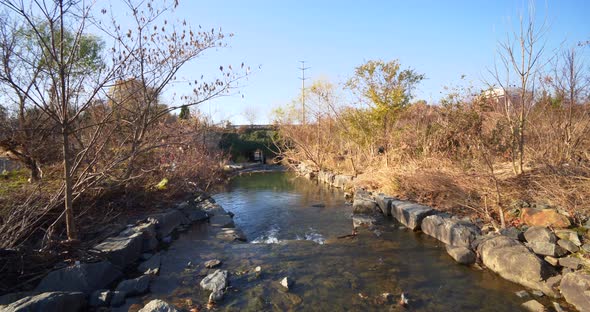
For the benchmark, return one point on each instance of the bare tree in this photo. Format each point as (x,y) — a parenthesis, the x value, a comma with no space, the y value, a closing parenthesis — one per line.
(521,60)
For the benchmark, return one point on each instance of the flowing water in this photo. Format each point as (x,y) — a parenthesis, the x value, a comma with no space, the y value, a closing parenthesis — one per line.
(292,225)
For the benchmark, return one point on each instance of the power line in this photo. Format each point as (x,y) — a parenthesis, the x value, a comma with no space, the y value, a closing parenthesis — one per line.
(303,78)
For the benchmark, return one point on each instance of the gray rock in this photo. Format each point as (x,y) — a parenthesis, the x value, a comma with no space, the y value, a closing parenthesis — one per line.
(586,247)
(151,266)
(539,234)
(148,230)
(58,301)
(513,233)
(136,286)
(101,298)
(222,221)
(212,263)
(287,283)
(570,235)
(410,214)
(568,245)
(462,255)
(118,298)
(533,306)
(229,234)
(547,249)
(193,212)
(522,294)
(343,181)
(158,305)
(514,262)
(551,260)
(575,288)
(215,281)
(359,220)
(450,231)
(168,221)
(85,277)
(384,203)
(364,206)
(212,209)
(571,262)
(326,177)
(122,250)
(216,296)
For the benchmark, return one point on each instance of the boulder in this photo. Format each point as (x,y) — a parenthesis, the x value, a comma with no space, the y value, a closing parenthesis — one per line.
(222,221)
(215,281)
(450,231)
(514,262)
(326,177)
(513,233)
(544,217)
(410,214)
(533,306)
(151,266)
(148,232)
(192,211)
(231,235)
(547,249)
(462,255)
(343,181)
(384,203)
(568,245)
(122,250)
(158,305)
(85,277)
(366,206)
(539,234)
(216,296)
(168,221)
(136,286)
(58,301)
(575,288)
(570,235)
(101,298)
(571,262)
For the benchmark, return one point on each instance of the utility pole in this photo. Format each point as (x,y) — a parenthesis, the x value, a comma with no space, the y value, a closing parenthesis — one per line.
(303,78)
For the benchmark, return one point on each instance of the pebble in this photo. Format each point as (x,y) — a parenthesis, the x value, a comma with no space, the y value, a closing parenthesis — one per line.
(522,294)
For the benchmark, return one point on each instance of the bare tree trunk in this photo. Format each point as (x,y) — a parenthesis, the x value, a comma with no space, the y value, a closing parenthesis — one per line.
(68,202)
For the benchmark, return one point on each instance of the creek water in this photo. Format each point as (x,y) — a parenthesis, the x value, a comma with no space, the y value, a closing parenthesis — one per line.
(292,225)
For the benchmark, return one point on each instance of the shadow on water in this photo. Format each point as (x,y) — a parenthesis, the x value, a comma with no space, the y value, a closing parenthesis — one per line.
(292,226)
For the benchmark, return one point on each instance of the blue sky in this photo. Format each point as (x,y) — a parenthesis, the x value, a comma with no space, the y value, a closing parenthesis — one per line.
(441,39)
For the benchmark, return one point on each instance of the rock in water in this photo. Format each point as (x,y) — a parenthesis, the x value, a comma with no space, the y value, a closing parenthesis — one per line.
(212,263)
(287,283)
(136,286)
(216,296)
(462,255)
(514,262)
(158,306)
(215,281)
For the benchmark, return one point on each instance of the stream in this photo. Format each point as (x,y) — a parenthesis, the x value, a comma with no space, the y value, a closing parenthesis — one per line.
(292,225)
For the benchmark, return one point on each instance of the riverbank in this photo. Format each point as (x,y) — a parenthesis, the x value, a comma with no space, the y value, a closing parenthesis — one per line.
(552,261)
